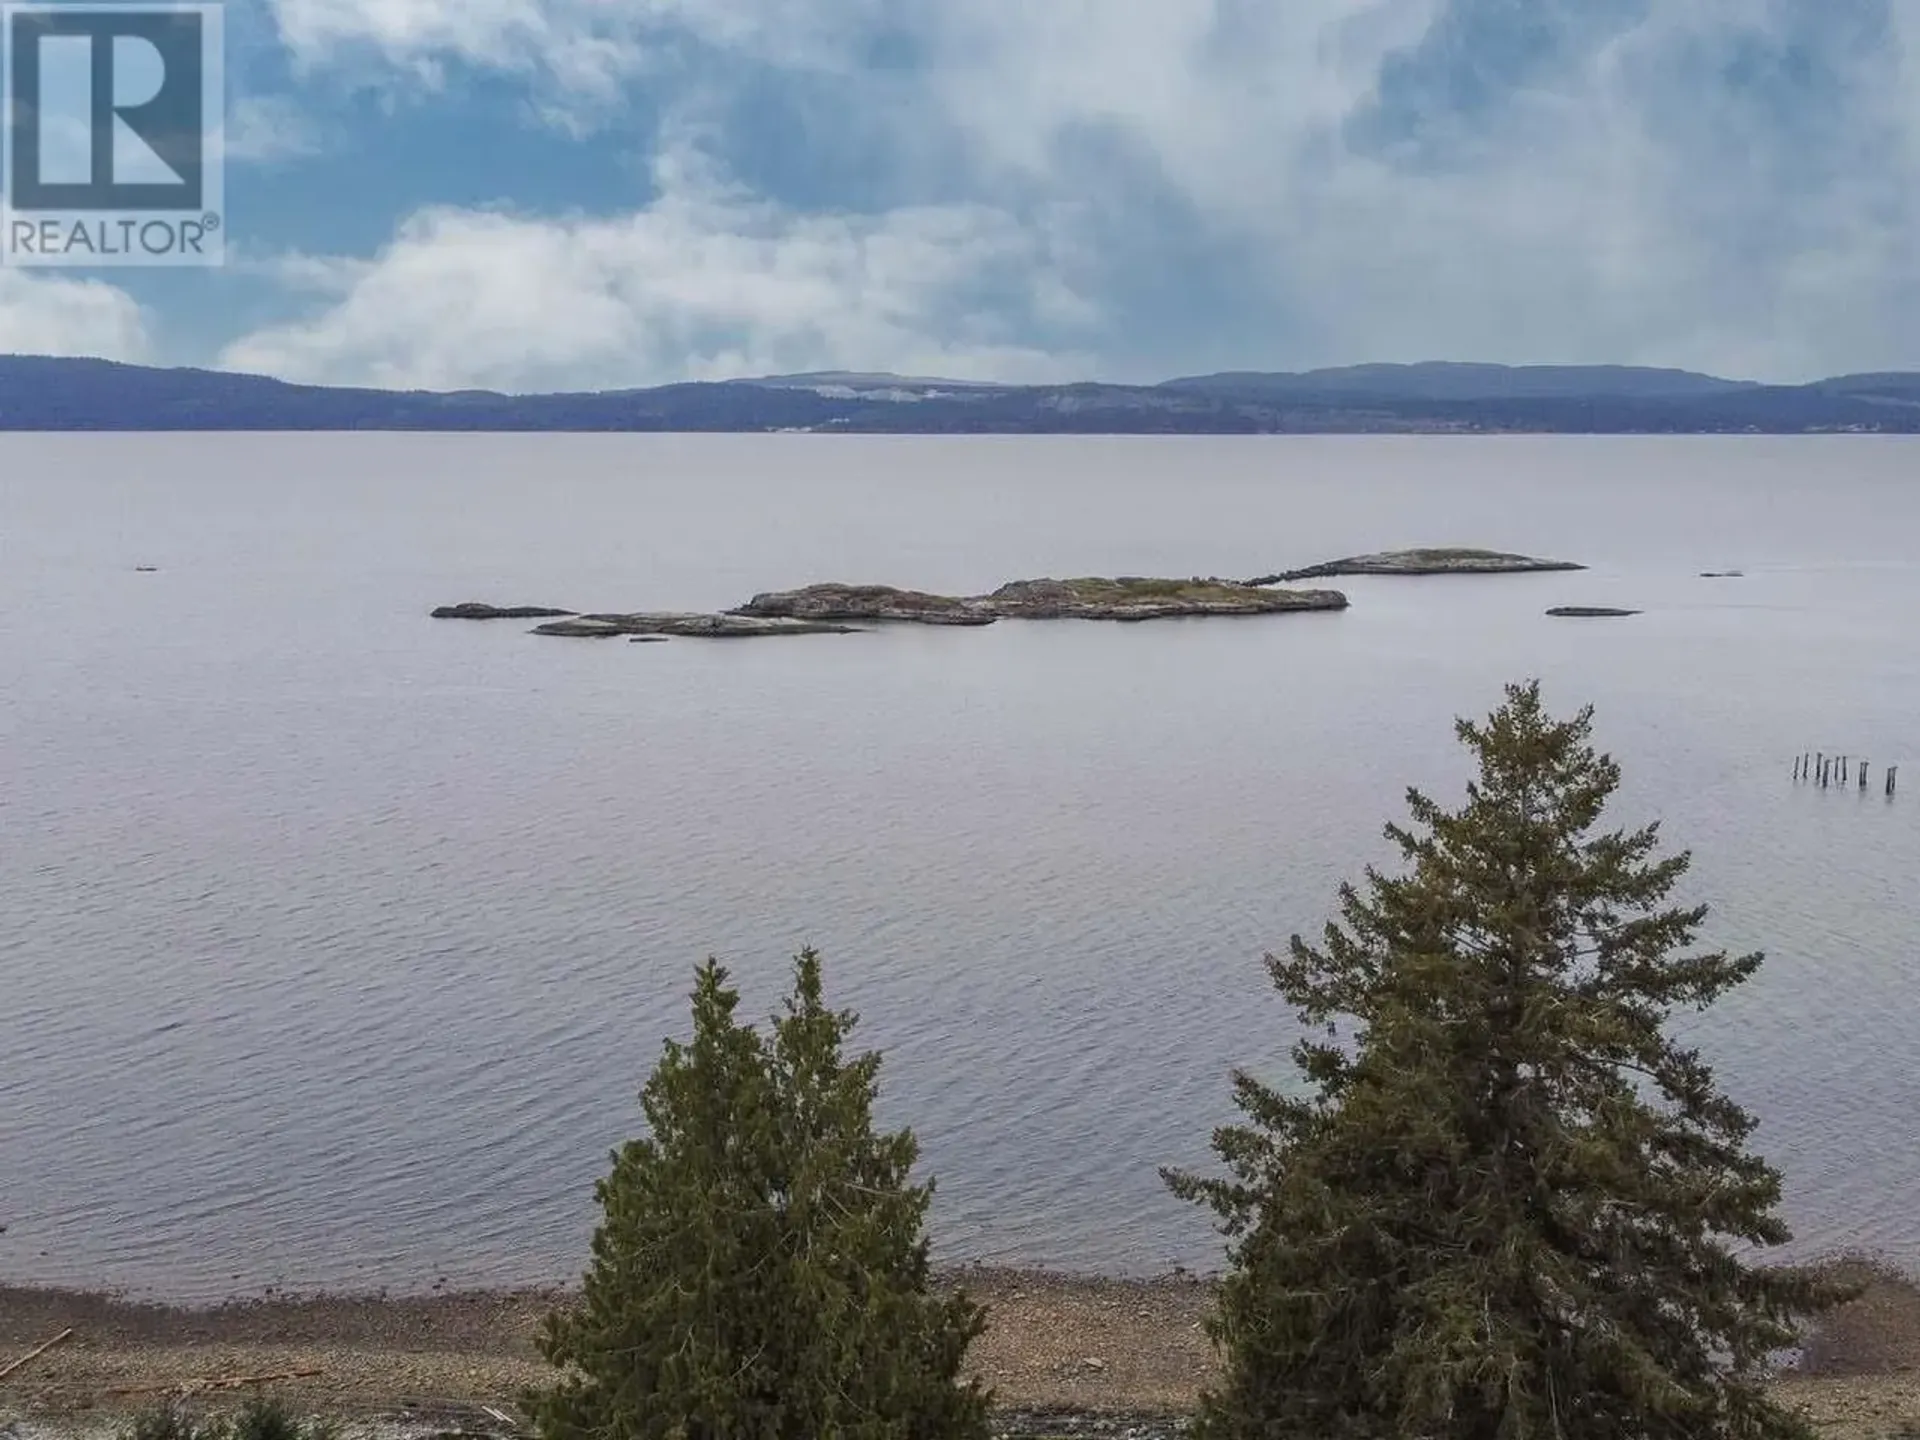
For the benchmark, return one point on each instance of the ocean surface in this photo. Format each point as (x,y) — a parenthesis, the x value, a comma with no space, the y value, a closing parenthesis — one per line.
(335,941)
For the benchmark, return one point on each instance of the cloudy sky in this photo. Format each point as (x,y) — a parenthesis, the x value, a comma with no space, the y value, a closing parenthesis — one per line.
(544,194)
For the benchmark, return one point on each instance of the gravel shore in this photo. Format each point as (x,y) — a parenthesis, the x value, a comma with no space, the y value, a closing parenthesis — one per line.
(1065,1355)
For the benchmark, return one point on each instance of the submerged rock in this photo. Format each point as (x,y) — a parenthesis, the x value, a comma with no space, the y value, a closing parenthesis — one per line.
(865,602)
(1589,612)
(1723,574)
(474,610)
(707,627)
(1430,561)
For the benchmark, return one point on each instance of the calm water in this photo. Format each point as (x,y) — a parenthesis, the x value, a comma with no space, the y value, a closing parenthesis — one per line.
(335,942)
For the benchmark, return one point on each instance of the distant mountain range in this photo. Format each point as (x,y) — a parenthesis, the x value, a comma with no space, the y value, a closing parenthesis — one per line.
(43,393)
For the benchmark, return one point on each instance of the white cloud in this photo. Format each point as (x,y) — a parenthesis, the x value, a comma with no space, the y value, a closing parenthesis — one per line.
(704,283)
(1616,207)
(268,129)
(560,35)
(579,52)
(43,314)
(1620,198)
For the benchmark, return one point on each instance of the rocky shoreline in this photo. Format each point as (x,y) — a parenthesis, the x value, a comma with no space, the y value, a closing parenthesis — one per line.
(1064,1354)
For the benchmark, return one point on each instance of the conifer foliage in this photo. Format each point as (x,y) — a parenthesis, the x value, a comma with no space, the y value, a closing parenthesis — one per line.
(1501,1202)
(760,1270)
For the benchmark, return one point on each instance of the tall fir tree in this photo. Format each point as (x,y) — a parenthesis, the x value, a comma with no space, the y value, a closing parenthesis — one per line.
(761,1271)
(1502,1203)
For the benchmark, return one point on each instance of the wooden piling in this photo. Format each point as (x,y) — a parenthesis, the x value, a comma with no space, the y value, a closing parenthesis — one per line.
(1893,773)
(1863,777)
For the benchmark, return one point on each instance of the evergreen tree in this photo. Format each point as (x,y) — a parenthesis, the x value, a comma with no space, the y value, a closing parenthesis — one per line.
(760,1271)
(1502,1203)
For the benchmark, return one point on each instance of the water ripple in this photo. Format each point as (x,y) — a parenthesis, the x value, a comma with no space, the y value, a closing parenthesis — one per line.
(336,943)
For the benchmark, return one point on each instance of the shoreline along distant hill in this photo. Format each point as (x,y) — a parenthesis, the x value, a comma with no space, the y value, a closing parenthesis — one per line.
(42,393)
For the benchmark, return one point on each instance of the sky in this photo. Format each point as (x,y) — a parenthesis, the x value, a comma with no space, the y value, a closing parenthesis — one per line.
(597,194)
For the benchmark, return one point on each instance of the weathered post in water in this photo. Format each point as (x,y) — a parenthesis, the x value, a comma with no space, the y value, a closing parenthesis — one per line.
(1893,772)
(1863,777)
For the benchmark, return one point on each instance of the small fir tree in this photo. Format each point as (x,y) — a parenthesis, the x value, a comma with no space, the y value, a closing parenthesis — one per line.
(1503,1203)
(760,1271)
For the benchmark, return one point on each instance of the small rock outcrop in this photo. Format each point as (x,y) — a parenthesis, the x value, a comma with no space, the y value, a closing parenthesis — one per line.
(1589,612)
(1445,561)
(704,627)
(474,610)
(865,602)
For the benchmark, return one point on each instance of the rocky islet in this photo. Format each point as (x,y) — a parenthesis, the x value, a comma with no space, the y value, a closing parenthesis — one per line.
(835,608)
(839,609)
(475,610)
(1429,560)
(1125,598)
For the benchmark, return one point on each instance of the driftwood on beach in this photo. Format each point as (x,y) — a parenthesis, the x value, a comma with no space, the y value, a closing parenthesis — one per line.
(36,1352)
